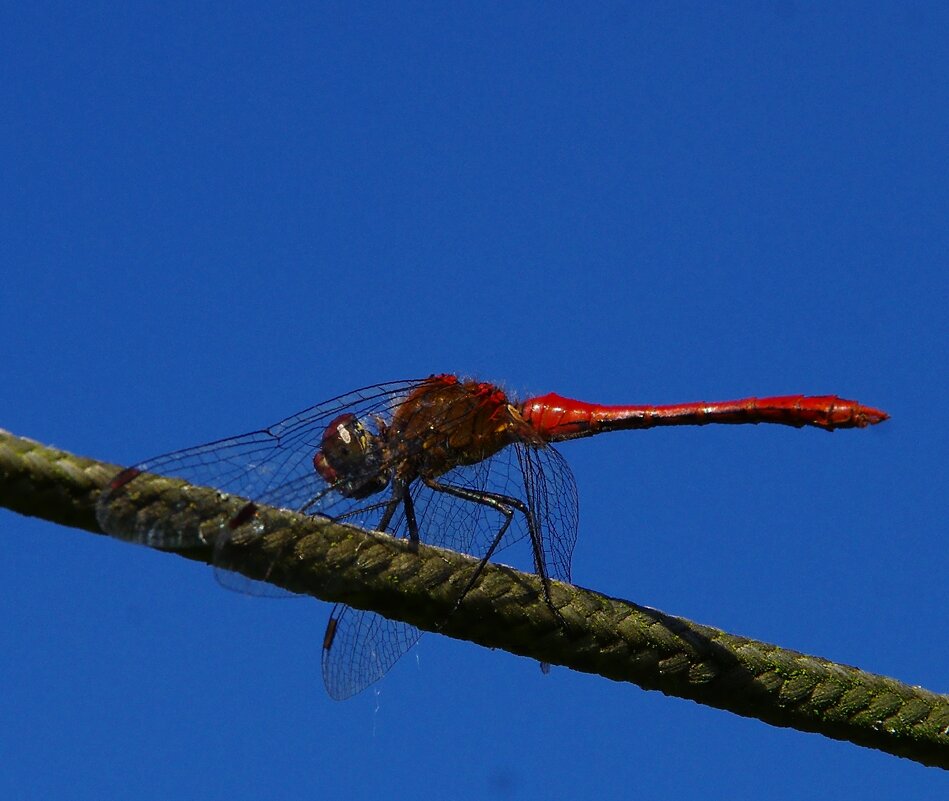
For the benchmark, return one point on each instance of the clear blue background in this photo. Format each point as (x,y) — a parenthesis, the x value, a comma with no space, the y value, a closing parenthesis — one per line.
(214,217)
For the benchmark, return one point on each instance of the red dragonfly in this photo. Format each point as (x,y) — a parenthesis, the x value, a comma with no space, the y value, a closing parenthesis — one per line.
(442,460)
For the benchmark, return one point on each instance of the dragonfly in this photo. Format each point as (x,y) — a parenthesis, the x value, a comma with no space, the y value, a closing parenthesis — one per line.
(444,460)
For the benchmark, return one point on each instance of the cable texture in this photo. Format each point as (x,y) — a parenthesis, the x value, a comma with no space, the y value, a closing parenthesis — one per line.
(506,609)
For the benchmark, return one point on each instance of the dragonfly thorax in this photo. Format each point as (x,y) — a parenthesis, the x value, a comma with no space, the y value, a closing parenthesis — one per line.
(351,458)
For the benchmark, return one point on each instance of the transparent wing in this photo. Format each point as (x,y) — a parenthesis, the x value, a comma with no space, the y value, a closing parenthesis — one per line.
(551,495)
(272,466)
(360,647)
(364,645)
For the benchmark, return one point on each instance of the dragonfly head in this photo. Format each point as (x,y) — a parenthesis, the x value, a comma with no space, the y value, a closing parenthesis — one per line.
(351,458)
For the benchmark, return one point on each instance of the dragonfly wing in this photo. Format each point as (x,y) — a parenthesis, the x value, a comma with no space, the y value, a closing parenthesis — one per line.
(272,466)
(551,495)
(360,647)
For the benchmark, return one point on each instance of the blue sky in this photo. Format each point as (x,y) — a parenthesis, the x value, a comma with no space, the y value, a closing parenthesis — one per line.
(214,217)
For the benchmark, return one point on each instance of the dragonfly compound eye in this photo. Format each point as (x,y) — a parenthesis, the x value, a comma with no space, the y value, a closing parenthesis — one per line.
(351,458)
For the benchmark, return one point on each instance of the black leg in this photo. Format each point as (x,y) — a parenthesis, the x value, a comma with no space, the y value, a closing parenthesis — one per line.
(410,517)
(390,507)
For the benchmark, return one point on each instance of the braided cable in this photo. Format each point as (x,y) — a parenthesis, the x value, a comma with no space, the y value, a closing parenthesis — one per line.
(505,609)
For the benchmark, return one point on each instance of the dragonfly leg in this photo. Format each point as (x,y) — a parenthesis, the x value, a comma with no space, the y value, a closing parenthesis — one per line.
(398,496)
(388,513)
(391,505)
(410,517)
